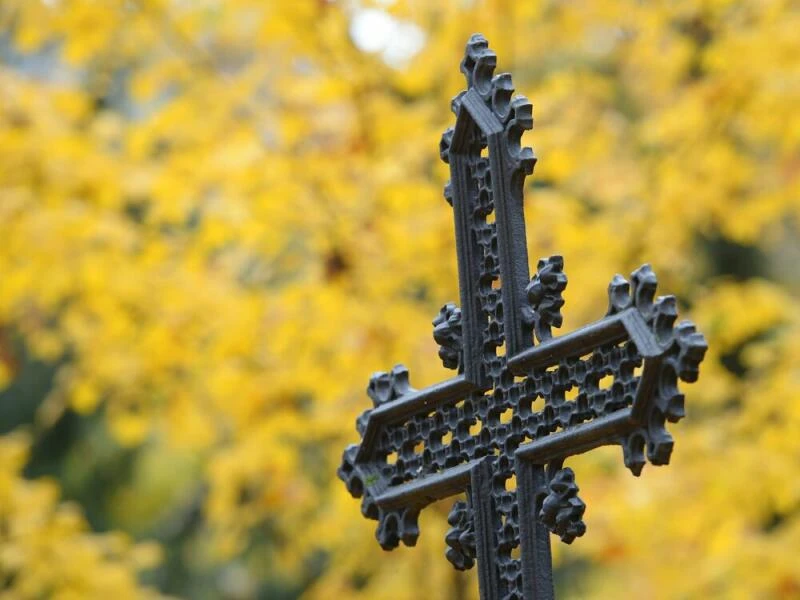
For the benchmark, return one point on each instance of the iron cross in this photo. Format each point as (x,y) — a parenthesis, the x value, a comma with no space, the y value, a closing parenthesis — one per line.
(522,401)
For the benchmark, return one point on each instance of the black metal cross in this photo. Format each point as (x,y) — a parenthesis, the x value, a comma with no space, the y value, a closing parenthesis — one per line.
(502,428)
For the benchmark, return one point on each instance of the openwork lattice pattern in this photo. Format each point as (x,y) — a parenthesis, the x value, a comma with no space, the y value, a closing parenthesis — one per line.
(502,428)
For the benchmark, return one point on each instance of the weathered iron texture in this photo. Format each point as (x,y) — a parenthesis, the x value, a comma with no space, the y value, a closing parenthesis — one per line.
(480,432)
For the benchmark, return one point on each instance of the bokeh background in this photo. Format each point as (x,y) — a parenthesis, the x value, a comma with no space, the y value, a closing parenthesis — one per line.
(218,218)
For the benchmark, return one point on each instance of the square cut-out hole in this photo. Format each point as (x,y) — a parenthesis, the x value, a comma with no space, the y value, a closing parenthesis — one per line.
(606,382)
(447,438)
(419,447)
(511,483)
(572,393)
(529,406)
(476,428)
(516,552)
(506,415)
(637,371)
(391,458)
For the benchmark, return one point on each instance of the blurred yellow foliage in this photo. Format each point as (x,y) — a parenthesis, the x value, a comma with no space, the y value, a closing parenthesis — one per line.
(47,550)
(219,218)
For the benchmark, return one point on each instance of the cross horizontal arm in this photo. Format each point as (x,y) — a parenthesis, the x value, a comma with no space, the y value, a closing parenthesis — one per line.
(399,410)
(575,440)
(610,330)
(421,492)
(579,439)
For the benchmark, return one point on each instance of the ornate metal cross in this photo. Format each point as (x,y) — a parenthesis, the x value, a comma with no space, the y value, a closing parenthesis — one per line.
(614,381)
